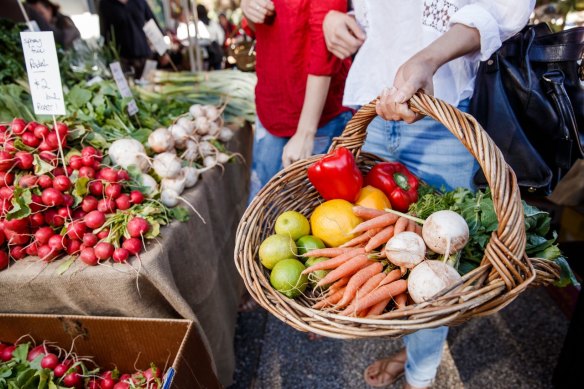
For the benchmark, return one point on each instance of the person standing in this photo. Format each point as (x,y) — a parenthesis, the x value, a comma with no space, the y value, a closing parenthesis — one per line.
(403,47)
(48,17)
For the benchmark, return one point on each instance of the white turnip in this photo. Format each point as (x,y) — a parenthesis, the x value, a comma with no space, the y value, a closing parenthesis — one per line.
(405,249)
(445,232)
(188,124)
(191,174)
(149,184)
(430,277)
(225,135)
(180,135)
(176,183)
(211,112)
(196,110)
(166,165)
(191,152)
(161,140)
(126,152)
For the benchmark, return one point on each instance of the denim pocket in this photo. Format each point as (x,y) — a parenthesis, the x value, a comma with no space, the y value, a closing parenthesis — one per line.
(392,135)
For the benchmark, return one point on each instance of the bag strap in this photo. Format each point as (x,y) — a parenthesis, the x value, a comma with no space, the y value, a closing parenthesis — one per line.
(565,52)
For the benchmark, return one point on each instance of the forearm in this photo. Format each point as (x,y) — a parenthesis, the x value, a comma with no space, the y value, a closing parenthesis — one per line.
(456,42)
(314,99)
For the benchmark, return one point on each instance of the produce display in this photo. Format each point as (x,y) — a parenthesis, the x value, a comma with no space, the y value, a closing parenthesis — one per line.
(47,366)
(359,253)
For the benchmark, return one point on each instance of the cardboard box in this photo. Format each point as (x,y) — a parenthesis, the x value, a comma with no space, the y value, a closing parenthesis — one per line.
(125,342)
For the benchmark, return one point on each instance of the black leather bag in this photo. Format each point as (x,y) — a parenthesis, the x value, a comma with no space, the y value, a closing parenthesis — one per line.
(529,97)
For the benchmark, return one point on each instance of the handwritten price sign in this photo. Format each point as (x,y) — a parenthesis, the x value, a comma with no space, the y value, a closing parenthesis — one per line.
(44,77)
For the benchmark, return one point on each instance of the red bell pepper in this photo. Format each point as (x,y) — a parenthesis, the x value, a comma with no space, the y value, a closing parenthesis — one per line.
(397,182)
(336,176)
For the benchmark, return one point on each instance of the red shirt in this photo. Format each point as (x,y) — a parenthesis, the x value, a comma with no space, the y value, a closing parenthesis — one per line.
(287,52)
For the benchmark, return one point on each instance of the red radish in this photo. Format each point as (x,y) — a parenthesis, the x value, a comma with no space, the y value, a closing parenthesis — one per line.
(96,188)
(27,181)
(137,227)
(72,379)
(18,126)
(86,171)
(93,384)
(24,160)
(46,253)
(41,131)
(6,160)
(123,202)
(58,171)
(64,212)
(133,245)
(60,370)
(123,175)
(19,225)
(96,165)
(6,192)
(32,249)
(7,353)
(107,383)
(89,204)
(88,256)
(78,213)
(103,233)
(4,260)
(62,129)
(52,197)
(9,146)
(122,385)
(45,181)
(17,252)
(136,197)
(121,255)
(106,206)
(113,191)
(37,220)
(76,162)
(151,374)
(35,352)
(16,238)
(76,230)
(57,242)
(3,137)
(49,157)
(103,250)
(72,246)
(89,155)
(30,140)
(68,200)
(49,361)
(52,141)
(109,174)
(6,179)
(94,219)
(89,239)
(37,203)
(61,183)
(2,236)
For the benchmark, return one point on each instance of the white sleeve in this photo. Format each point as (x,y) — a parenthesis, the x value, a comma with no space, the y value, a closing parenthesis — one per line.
(496,20)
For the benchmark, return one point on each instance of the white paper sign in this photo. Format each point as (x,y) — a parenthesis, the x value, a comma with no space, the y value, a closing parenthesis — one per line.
(123,86)
(155,36)
(44,77)
(149,67)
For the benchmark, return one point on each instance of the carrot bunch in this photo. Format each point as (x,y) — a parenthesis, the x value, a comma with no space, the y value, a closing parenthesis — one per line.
(360,283)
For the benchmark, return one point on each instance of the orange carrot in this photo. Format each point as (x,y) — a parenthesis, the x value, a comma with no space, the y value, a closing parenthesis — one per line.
(401,300)
(357,280)
(328,252)
(382,293)
(411,226)
(393,275)
(330,300)
(367,213)
(378,308)
(339,284)
(363,291)
(334,262)
(380,238)
(350,267)
(364,237)
(378,222)
(400,225)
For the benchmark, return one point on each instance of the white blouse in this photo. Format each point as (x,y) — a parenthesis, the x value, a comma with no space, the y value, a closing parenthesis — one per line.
(397,29)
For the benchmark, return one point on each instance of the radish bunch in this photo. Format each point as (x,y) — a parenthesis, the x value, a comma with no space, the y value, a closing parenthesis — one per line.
(66,369)
(49,209)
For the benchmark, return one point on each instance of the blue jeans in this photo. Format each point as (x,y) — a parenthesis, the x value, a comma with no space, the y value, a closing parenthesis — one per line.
(268,149)
(435,155)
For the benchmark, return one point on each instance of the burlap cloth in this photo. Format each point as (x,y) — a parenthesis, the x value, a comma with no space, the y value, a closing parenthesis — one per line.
(189,273)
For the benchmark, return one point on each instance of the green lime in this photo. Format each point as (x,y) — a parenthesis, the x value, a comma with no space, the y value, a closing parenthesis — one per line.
(275,248)
(318,275)
(309,242)
(287,278)
(293,224)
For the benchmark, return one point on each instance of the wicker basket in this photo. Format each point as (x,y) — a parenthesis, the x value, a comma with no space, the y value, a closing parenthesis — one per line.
(505,270)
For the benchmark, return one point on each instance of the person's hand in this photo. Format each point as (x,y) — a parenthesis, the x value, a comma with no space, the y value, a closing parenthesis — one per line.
(342,34)
(257,10)
(298,147)
(414,75)
(164,60)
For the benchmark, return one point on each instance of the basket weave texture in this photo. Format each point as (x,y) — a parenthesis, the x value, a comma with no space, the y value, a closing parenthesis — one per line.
(504,273)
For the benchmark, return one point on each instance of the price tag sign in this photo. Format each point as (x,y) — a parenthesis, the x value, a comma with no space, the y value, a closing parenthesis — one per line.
(42,67)
(149,67)
(155,36)
(123,86)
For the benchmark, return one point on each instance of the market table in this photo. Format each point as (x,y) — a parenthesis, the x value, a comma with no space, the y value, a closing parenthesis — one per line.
(189,273)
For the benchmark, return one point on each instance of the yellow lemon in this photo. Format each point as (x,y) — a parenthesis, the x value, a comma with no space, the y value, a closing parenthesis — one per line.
(371,197)
(333,221)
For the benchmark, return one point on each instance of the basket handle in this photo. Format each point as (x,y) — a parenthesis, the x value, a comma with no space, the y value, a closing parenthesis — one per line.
(506,248)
